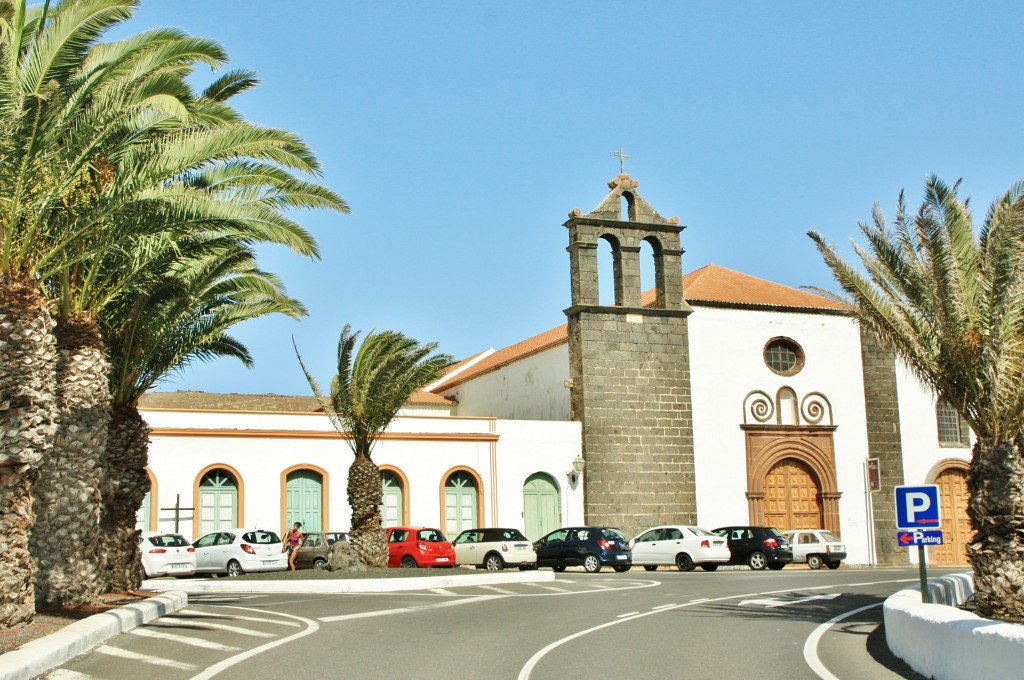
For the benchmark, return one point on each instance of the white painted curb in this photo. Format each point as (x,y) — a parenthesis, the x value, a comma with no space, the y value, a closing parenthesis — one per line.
(342,586)
(946,643)
(40,655)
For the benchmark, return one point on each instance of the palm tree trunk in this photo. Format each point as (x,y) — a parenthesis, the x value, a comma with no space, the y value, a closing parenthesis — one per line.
(66,541)
(364,497)
(996,509)
(28,413)
(124,490)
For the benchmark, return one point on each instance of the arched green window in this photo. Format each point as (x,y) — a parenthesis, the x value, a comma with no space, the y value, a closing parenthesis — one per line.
(392,500)
(541,505)
(460,500)
(218,501)
(304,492)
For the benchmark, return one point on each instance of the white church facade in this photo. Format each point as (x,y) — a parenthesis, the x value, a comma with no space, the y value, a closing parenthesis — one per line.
(778,404)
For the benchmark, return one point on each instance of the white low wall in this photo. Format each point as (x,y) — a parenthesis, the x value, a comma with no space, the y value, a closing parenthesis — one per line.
(946,643)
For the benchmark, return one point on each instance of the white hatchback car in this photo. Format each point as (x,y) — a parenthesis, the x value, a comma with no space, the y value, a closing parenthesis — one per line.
(816,547)
(684,546)
(494,549)
(237,551)
(166,554)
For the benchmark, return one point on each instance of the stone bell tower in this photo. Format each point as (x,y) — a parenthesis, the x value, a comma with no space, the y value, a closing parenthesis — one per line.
(629,367)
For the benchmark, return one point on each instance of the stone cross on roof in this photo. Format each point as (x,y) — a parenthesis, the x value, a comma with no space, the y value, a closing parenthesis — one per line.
(622,156)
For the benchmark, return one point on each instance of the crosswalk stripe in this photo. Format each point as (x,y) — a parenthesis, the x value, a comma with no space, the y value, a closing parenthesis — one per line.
(186,613)
(145,658)
(64,674)
(209,624)
(499,590)
(171,637)
(442,591)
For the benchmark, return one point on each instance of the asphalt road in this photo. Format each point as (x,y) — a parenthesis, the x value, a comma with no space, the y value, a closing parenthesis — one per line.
(731,623)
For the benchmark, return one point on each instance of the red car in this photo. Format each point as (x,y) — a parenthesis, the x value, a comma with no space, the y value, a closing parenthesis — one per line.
(419,547)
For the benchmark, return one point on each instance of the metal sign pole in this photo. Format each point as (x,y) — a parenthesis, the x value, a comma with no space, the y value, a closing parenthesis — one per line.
(926,597)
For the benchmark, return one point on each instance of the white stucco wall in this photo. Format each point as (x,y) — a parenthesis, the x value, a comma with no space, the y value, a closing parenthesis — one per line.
(532,388)
(261,447)
(919,433)
(727,363)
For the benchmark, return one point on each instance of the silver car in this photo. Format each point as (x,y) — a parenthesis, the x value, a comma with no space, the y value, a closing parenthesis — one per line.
(237,551)
(816,547)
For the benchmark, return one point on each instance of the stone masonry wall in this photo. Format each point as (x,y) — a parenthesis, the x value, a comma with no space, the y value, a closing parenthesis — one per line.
(884,443)
(631,390)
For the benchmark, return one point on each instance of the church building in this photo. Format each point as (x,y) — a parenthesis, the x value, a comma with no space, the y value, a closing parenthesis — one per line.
(712,398)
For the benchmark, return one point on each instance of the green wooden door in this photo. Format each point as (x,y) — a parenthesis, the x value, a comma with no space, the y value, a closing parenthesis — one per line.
(459,504)
(541,506)
(391,504)
(142,516)
(304,500)
(218,501)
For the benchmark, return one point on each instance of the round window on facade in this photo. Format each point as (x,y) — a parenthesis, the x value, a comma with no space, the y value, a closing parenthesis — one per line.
(783,356)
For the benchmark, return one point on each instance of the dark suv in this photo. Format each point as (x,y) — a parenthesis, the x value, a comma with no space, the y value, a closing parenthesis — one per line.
(757,547)
(589,547)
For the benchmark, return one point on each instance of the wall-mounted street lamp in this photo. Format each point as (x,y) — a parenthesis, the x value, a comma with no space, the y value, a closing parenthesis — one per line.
(577,468)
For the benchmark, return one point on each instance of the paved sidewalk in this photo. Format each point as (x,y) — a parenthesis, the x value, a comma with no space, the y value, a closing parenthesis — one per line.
(38,656)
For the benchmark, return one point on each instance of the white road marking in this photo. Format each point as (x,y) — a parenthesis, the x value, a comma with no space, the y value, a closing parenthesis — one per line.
(145,658)
(442,591)
(664,606)
(406,610)
(185,613)
(531,663)
(171,637)
(499,590)
(772,602)
(311,627)
(63,674)
(622,616)
(811,645)
(600,586)
(218,626)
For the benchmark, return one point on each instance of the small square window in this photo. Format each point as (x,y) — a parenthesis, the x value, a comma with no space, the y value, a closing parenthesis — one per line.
(953,428)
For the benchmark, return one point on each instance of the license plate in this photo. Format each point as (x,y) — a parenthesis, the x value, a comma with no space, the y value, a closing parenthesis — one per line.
(269,563)
(440,559)
(179,567)
(620,557)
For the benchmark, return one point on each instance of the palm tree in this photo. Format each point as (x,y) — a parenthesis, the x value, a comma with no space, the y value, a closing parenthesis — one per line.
(154,329)
(366,393)
(950,302)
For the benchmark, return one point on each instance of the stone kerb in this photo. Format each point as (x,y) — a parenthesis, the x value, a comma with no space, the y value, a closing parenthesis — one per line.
(946,643)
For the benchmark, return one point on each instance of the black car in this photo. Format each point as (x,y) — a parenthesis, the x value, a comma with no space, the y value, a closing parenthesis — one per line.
(757,547)
(589,547)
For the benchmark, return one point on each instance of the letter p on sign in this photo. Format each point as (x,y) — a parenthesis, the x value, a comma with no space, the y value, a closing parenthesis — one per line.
(917,507)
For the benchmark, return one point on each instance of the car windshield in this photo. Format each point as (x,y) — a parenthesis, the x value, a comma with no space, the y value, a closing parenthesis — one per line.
(430,536)
(701,532)
(260,537)
(830,537)
(612,534)
(774,533)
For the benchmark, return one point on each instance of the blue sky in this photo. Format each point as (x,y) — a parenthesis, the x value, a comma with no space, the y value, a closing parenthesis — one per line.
(462,133)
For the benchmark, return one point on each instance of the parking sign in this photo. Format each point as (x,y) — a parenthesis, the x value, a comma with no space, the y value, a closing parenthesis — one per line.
(917,507)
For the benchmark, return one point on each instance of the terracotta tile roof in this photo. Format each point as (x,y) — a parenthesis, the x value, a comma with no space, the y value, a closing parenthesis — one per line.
(710,284)
(272,403)
(538,343)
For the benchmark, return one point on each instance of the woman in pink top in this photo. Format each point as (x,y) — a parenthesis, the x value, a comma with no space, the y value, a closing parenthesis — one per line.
(293,541)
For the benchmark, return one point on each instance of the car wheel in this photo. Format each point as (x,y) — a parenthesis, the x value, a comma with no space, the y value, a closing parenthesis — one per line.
(814,561)
(558,568)
(757,561)
(234,568)
(833,564)
(709,567)
(409,562)
(320,564)
(650,567)
(622,567)
(684,562)
(591,564)
(776,566)
(493,562)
